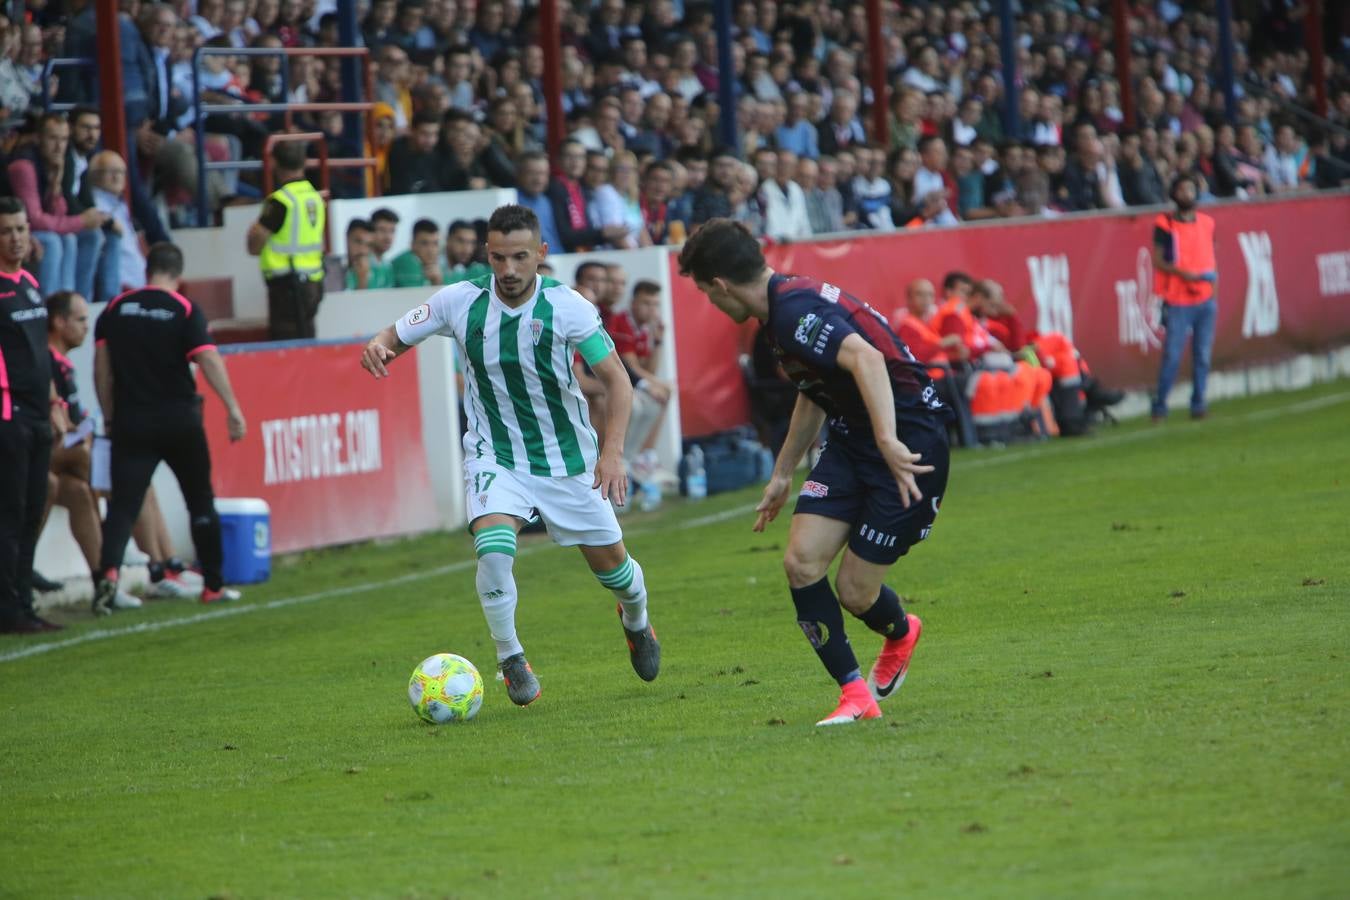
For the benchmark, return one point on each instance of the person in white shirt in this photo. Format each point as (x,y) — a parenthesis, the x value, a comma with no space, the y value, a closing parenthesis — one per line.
(928,178)
(108,181)
(783,201)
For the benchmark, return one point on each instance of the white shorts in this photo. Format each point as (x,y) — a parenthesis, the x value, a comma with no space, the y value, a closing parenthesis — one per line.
(573,512)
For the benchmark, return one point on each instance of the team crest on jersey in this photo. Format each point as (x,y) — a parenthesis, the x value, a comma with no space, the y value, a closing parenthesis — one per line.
(815,489)
(536,330)
(482,499)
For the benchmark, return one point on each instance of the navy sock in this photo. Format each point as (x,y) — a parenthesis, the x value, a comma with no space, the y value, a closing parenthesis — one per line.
(156,572)
(886,617)
(822,622)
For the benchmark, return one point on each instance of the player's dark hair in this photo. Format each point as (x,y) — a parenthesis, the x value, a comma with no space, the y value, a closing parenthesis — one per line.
(514,217)
(952,279)
(289,156)
(80,112)
(424,226)
(722,249)
(461,225)
(646,287)
(58,304)
(359,225)
(164,259)
(11,206)
(586,266)
(383,214)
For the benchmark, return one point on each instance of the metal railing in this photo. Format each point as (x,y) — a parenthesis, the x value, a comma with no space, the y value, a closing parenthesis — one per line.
(64,62)
(202,110)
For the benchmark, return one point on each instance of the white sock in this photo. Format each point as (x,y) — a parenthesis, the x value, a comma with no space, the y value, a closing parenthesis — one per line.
(627,584)
(497,587)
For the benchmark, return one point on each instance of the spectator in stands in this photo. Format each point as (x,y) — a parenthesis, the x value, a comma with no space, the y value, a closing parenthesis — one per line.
(415,166)
(72,245)
(713,199)
(567,197)
(604,206)
(931,178)
(394,83)
(385,223)
(461,154)
(360,270)
(786,217)
(824,206)
(871,191)
(657,182)
(15,97)
(1140,184)
(288,239)
(461,253)
(533,193)
(97,274)
(107,177)
(625,181)
(1287,162)
(842,128)
(797,134)
(419,265)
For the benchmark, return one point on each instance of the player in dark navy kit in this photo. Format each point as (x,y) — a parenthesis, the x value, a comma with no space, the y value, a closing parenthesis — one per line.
(29,414)
(875,490)
(143,343)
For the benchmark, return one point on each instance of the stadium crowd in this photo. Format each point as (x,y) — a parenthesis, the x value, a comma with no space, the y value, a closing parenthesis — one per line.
(459,104)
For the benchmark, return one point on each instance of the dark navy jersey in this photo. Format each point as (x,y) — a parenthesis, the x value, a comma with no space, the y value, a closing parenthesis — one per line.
(25,367)
(151,335)
(809,320)
(63,376)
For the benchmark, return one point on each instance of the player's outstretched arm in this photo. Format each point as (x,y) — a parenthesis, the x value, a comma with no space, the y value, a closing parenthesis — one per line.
(868,368)
(383,348)
(801,434)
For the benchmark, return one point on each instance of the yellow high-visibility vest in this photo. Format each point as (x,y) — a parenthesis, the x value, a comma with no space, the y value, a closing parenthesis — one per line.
(298,246)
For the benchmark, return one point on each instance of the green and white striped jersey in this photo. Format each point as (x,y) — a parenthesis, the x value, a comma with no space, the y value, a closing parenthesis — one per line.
(524,406)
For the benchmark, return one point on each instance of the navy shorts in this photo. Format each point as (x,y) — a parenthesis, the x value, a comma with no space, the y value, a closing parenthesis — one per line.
(851,483)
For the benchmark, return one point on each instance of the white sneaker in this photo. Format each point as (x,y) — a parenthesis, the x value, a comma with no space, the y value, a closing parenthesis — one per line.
(123,600)
(172,587)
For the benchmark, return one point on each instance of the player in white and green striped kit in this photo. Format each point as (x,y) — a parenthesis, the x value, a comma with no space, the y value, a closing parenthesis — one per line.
(530,449)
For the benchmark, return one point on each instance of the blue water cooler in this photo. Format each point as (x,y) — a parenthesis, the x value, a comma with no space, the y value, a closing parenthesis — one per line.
(246,537)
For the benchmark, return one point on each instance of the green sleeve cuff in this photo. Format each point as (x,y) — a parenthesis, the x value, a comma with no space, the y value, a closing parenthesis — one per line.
(596,347)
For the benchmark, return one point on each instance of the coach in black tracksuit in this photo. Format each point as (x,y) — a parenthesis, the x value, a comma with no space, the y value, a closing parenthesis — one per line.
(27,416)
(143,342)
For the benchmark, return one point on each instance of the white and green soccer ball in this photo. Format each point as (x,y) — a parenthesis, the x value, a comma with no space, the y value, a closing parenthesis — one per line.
(445,688)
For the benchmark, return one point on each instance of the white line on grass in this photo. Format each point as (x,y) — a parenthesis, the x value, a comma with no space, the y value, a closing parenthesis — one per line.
(101,634)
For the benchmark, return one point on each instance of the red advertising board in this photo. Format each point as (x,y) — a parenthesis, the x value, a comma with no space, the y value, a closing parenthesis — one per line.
(336,454)
(1284,288)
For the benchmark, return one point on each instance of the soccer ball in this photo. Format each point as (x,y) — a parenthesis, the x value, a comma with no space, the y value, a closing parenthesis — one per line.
(445,688)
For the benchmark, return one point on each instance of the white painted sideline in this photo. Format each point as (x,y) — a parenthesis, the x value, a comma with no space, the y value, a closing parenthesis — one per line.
(100,634)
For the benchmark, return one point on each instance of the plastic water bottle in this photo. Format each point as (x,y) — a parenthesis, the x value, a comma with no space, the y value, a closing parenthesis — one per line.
(696,476)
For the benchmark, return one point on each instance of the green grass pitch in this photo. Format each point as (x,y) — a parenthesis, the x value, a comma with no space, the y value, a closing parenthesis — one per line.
(1132,683)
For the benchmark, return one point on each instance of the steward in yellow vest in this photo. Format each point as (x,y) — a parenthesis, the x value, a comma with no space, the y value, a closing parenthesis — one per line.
(288,241)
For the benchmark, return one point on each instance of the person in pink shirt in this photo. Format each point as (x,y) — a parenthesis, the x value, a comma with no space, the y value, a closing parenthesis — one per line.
(72,245)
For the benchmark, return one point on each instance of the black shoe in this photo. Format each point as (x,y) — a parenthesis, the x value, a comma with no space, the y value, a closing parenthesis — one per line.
(45,585)
(44,624)
(22,625)
(644,651)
